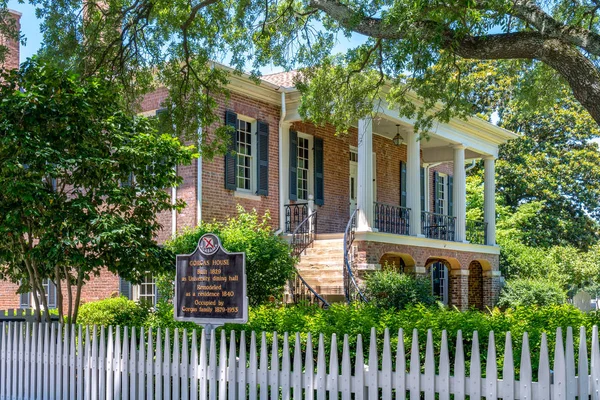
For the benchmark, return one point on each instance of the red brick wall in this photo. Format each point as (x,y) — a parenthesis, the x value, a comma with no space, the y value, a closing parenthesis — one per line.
(476,285)
(11,60)
(219,203)
(8,297)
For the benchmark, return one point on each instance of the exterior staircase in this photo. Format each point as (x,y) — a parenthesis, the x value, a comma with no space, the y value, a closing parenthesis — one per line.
(322,267)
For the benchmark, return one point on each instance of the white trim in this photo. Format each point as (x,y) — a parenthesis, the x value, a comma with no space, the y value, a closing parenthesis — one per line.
(391,238)
(244,194)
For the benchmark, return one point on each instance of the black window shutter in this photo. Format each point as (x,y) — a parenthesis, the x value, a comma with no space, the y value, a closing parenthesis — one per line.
(436,178)
(402,184)
(124,288)
(293,165)
(51,294)
(422,189)
(450,196)
(263,159)
(319,181)
(230,157)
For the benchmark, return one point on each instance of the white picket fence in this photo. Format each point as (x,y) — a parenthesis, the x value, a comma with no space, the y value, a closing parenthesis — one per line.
(43,361)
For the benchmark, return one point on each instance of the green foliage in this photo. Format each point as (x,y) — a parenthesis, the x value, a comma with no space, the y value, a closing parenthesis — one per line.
(529,292)
(359,319)
(389,289)
(269,263)
(418,48)
(82,181)
(114,311)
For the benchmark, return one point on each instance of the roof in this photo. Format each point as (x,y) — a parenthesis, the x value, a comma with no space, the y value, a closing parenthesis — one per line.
(283,79)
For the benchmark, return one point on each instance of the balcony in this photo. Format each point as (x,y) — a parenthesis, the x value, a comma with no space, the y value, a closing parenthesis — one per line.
(396,220)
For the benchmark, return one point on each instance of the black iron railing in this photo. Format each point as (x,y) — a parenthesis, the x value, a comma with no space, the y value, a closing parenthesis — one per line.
(476,232)
(438,226)
(351,289)
(304,236)
(294,215)
(391,219)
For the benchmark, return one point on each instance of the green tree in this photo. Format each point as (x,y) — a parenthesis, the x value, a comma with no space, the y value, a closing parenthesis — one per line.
(82,182)
(269,263)
(418,47)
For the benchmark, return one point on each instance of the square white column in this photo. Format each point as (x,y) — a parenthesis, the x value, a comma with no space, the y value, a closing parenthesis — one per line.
(413,182)
(459,193)
(489,199)
(364,195)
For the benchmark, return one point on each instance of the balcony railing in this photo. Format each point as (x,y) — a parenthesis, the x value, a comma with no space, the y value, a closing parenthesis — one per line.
(476,232)
(294,215)
(391,219)
(438,226)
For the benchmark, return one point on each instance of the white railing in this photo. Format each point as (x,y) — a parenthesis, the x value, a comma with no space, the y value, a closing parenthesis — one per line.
(42,361)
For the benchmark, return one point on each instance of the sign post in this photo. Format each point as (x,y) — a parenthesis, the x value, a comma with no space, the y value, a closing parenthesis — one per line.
(210,286)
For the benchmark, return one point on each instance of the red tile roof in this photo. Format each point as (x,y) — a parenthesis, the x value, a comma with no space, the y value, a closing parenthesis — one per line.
(285,79)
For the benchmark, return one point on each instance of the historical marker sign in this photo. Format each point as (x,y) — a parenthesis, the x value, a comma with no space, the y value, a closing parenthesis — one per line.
(210,285)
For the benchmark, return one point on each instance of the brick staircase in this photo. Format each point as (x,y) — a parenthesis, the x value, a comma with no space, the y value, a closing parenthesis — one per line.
(321,266)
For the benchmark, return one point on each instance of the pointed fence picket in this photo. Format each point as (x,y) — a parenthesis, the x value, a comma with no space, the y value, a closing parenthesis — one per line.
(54,362)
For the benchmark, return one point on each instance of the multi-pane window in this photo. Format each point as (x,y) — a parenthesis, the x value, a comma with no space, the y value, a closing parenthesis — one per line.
(145,292)
(27,300)
(439,281)
(244,155)
(303,166)
(441,194)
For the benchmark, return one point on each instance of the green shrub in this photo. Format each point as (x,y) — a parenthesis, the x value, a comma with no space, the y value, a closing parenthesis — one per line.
(531,292)
(113,311)
(269,263)
(390,289)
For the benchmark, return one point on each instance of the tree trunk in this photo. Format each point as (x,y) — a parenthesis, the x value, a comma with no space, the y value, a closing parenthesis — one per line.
(59,296)
(69,296)
(78,295)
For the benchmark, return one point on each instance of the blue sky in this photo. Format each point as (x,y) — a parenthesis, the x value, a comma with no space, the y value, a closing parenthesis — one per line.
(30,27)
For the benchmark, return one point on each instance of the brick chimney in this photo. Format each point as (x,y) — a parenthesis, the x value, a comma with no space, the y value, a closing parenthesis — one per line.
(11,60)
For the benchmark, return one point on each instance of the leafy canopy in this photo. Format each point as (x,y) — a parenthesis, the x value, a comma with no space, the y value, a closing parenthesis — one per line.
(424,50)
(82,181)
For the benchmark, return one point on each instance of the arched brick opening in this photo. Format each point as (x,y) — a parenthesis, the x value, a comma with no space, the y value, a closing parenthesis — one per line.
(439,269)
(400,262)
(476,285)
(457,280)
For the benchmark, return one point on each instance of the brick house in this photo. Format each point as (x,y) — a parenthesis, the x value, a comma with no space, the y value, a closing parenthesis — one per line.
(401,200)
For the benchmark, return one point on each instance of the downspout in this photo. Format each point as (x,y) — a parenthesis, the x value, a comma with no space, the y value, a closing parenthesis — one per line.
(281,171)
(470,167)
(199,180)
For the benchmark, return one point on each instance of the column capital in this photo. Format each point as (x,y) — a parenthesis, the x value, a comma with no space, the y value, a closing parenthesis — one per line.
(489,157)
(459,146)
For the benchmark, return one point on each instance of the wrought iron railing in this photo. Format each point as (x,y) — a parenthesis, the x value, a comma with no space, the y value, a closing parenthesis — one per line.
(304,236)
(294,215)
(438,226)
(351,289)
(476,232)
(391,219)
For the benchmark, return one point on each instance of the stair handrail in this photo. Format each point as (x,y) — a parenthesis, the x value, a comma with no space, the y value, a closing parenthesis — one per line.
(351,289)
(298,246)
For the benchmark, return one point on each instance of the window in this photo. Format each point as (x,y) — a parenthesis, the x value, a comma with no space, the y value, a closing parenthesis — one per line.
(27,300)
(442,198)
(245,155)
(439,281)
(303,167)
(145,292)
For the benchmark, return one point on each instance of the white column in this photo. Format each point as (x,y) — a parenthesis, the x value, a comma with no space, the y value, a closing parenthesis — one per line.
(489,199)
(413,182)
(459,193)
(364,195)
(284,171)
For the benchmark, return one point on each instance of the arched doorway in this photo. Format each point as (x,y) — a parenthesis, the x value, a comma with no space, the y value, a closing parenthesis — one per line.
(442,283)
(476,285)
(400,262)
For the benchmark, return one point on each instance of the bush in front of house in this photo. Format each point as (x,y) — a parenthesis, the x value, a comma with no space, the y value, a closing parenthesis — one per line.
(531,292)
(114,311)
(390,289)
(269,263)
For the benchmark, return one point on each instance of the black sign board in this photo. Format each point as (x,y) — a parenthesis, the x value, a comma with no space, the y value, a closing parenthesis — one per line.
(210,285)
